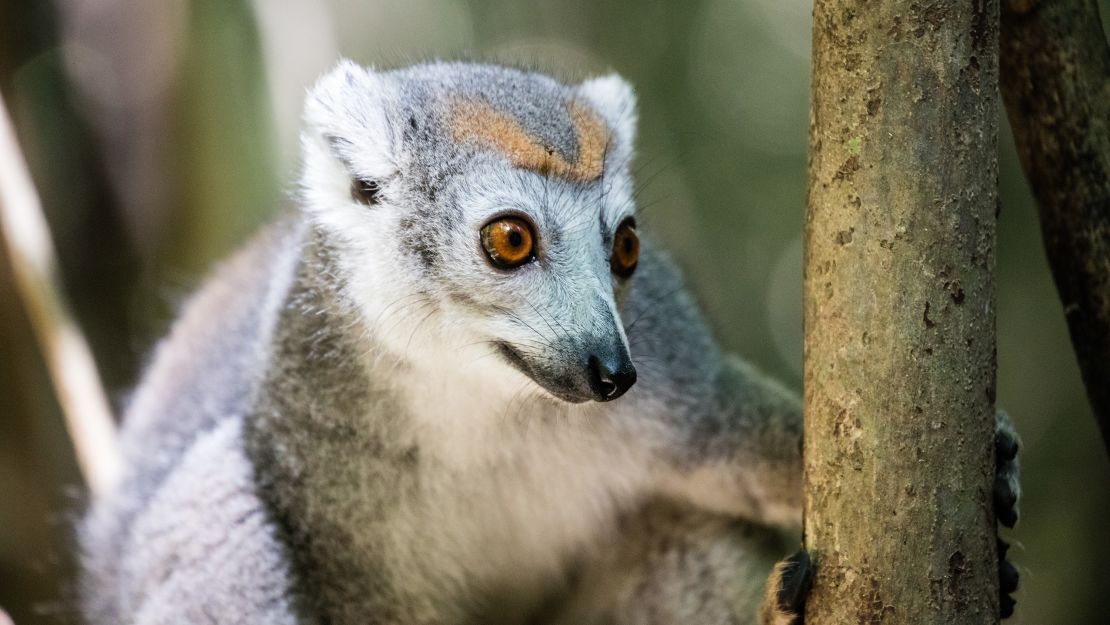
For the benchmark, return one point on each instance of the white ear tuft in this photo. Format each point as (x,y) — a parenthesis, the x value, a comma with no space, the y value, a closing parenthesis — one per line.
(615,100)
(348,110)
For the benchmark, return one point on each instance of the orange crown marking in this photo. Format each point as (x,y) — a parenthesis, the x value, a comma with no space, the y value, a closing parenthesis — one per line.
(478,121)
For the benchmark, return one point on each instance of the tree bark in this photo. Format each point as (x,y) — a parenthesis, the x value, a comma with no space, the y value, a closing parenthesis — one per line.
(900,312)
(1056,83)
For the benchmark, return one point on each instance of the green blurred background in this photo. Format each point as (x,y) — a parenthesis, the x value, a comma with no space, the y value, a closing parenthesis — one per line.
(161,133)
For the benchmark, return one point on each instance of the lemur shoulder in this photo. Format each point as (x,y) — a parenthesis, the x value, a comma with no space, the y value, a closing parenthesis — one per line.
(459,385)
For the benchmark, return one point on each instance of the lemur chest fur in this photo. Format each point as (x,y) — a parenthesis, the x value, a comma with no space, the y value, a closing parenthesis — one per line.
(524,484)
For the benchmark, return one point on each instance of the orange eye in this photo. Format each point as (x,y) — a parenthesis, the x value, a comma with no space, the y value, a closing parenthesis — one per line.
(508,242)
(626,249)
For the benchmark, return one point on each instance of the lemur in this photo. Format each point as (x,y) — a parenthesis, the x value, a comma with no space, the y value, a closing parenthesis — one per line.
(458,385)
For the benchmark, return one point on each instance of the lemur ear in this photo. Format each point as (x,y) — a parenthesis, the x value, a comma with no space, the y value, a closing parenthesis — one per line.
(347,119)
(614,99)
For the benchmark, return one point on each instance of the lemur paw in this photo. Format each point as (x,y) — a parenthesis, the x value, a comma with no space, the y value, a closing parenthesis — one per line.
(787,590)
(1007,492)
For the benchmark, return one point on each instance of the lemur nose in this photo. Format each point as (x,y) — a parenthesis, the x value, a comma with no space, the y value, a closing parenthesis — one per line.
(610,376)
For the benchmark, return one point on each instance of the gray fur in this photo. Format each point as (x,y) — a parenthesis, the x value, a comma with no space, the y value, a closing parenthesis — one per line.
(330,434)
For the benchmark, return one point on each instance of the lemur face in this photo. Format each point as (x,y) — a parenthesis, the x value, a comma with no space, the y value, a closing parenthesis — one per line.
(487,228)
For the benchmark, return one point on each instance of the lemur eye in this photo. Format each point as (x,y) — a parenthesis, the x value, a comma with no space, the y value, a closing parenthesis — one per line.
(626,249)
(365,191)
(508,242)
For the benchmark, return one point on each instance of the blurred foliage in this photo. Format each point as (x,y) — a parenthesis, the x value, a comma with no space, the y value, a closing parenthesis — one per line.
(161,134)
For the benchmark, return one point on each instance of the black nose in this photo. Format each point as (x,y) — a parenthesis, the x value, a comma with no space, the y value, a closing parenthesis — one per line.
(610,376)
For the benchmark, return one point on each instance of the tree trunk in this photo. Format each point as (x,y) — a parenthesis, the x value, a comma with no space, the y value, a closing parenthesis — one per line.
(899,312)
(1056,83)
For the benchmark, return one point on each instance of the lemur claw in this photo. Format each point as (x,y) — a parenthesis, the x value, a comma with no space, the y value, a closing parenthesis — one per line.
(1007,581)
(1006,487)
(792,582)
(1007,492)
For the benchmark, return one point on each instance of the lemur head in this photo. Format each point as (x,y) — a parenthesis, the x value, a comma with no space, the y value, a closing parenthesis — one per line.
(483,218)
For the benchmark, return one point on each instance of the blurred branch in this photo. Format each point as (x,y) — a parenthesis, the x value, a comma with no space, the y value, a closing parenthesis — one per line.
(27,239)
(1056,84)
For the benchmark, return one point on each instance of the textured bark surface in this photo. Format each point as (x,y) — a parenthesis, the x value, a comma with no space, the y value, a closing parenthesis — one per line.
(899,312)
(1056,83)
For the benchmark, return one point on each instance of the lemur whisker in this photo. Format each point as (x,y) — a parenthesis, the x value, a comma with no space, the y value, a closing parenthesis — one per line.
(408,312)
(521,388)
(539,312)
(415,328)
(642,185)
(653,307)
(645,208)
(396,301)
(566,334)
(514,316)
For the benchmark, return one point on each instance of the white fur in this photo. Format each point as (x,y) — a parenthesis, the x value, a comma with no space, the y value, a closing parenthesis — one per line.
(615,99)
(238,574)
(558,477)
(350,103)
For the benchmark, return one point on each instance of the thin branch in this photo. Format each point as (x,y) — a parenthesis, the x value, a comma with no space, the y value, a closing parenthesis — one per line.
(26,237)
(1056,84)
